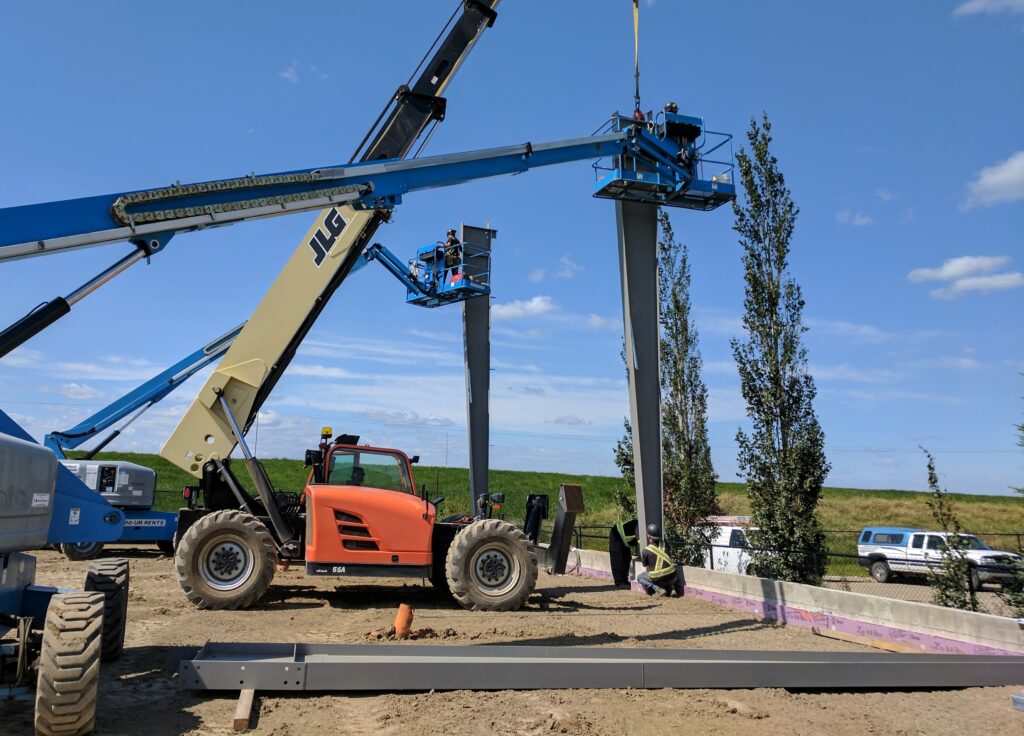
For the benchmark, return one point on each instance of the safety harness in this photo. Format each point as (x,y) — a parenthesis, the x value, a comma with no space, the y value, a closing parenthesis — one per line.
(663,565)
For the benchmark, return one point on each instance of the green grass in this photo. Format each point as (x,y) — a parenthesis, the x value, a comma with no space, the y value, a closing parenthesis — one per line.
(841,509)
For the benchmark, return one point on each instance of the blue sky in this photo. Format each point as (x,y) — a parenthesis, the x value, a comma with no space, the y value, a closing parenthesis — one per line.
(898,126)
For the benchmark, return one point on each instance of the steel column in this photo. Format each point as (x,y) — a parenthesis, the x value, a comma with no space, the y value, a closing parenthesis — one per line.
(391,667)
(638,267)
(476,340)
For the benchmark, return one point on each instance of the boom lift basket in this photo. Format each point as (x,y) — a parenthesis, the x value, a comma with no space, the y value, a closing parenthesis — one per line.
(450,275)
(706,161)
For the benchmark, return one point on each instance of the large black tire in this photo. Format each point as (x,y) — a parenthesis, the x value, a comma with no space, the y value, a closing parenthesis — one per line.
(880,571)
(490,567)
(110,577)
(225,561)
(166,546)
(83,551)
(69,665)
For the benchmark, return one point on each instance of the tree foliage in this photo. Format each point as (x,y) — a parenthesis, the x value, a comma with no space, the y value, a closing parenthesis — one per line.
(950,581)
(782,459)
(688,477)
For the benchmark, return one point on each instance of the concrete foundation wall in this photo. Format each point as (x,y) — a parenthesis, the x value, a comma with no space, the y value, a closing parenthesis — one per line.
(919,625)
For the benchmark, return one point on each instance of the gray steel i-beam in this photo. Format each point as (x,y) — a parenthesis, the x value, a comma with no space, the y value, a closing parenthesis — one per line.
(476,341)
(395,667)
(638,267)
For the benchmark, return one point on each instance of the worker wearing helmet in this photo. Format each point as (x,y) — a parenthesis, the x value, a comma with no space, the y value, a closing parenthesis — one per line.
(452,256)
(659,577)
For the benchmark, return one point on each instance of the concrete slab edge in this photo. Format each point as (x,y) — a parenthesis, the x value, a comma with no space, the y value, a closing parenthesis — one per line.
(593,564)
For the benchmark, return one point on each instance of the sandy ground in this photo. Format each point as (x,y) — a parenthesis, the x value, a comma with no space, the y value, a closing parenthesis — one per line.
(139,694)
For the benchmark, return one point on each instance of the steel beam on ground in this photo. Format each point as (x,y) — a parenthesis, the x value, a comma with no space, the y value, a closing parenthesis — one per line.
(476,340)
(391,667)
(638,268)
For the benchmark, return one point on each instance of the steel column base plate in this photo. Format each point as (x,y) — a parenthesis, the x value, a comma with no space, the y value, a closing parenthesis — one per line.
(389,667)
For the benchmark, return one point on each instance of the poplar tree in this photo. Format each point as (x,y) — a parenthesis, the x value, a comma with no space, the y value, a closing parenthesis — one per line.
(951,581)
(782,459)
(688,476)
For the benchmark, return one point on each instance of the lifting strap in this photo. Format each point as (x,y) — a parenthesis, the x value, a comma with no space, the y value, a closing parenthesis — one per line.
(628,539)
(636,55)
(663,564)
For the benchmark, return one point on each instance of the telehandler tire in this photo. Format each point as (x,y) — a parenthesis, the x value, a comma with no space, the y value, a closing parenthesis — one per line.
(111,577)
(83,551)
(69,665)
(490,567)
(225,561)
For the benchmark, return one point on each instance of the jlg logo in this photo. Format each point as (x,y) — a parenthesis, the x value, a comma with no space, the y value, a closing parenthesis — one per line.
(322,242)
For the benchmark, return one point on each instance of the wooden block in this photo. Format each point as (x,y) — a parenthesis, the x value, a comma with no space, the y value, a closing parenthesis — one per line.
(243,710)
(887,646)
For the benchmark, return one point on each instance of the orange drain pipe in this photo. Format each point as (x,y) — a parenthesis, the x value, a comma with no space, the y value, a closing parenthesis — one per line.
(403,621)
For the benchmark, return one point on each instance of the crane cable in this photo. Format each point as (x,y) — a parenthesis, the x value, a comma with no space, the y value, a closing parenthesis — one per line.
(636,60)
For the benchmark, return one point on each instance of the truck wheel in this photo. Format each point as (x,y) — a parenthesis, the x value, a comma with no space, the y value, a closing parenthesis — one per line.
(490,567)
(110,577)
(82,551)
(880,571)
(166,546)
(69,665)
(225,561)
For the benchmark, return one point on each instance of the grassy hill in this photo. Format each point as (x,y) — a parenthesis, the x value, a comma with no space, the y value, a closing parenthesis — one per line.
(841,510)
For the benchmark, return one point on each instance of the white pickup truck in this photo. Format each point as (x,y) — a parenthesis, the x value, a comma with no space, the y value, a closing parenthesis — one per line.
(730,550)
(888,552)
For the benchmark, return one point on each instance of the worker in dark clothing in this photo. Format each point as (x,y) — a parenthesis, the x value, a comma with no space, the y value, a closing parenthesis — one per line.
(659,577)
(623,546)
(452,256)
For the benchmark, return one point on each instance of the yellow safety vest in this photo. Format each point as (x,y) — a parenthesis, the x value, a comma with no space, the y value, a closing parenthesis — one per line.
(663,565)
(628,539)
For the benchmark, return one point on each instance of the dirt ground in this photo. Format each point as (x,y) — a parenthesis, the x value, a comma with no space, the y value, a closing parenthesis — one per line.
(139,694)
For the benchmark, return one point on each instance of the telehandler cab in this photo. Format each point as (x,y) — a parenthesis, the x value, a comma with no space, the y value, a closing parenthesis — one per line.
(360,515)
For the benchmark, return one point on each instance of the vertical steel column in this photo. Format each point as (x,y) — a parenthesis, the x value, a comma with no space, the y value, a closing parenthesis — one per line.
(638,266)
(476,340)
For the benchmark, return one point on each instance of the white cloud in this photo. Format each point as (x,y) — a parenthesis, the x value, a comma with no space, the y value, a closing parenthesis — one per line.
(958,268)
(996,184)
(597,322)
(534,307)
(958,362)
(290,73)
(841,328)
(79,391)
(22,358)
(988,7)
(857,219)
(983,284)
(885,195)
(536,276)
(847,373)
(567,268)
(571,420)
(321,371)
(112,371)
(407,418)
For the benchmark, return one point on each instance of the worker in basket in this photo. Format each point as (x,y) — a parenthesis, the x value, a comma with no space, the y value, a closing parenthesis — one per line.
(452,256)
(623,547)
(659,577)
